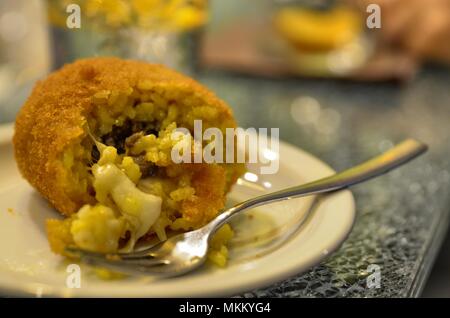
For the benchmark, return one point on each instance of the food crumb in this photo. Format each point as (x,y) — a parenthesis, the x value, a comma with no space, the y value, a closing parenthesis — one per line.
(11,211)
(113,257)
(106,274)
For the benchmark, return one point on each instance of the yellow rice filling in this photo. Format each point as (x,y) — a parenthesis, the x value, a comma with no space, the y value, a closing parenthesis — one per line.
(176,194)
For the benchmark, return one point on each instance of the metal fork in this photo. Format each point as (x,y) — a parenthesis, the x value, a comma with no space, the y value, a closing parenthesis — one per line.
(185,252)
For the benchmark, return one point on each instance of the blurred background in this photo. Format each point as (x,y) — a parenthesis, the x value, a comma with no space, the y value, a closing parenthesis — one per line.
(263,38)
(312,67)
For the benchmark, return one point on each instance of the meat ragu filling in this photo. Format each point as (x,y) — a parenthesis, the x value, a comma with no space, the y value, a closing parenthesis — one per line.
(123,139)
(128,134)
(122,167)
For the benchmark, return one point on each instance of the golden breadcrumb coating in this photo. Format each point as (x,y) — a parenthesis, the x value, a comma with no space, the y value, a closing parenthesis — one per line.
(52,119)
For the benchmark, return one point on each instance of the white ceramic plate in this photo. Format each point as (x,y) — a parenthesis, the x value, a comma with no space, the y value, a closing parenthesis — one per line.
(272,243)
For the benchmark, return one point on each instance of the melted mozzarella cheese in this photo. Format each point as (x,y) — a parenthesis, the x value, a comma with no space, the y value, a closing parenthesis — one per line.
(99,228)
(140,209)
(96,228)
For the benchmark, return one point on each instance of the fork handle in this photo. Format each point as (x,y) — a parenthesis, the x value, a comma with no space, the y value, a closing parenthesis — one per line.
(397,156)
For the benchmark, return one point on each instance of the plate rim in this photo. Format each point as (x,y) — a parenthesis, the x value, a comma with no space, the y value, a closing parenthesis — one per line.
(8,287)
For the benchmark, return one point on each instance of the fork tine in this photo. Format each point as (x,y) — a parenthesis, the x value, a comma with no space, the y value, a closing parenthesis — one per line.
(144,259)
(126,267)
(120,262)
(139,254)
(148,253)
(140,266)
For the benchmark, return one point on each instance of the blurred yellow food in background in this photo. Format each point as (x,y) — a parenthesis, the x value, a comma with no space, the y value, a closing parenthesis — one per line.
(172,15)
(314,30)
(115,12)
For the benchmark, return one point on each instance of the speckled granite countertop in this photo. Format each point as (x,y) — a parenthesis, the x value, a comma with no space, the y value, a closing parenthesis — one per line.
(401,217)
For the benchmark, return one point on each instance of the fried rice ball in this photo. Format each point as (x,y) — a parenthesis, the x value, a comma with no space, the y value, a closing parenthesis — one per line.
(122,113)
